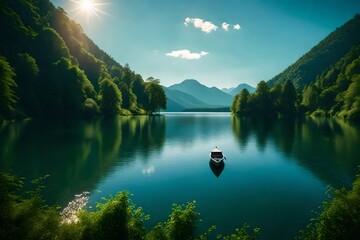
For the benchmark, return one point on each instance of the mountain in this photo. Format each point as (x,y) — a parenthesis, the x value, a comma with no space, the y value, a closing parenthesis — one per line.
(240,87)
(227,90)
(179,101)
(209,96)
(328,52)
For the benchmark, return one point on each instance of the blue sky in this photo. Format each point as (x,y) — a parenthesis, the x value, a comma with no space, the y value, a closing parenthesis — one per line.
(173,40)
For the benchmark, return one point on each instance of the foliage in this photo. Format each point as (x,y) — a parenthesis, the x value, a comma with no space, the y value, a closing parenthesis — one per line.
(288,97)
(50,55)
(339,217)
(265,101)
(156,95)
(116,218)
(334,92)
(7,85)
(242,234)
(329,51)
(241,103)
(110,98)
(25,217)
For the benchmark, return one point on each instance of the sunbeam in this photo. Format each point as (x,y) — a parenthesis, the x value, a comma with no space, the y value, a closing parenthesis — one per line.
(88,8)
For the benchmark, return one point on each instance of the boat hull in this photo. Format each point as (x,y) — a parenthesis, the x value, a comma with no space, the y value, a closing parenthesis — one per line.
(217,161)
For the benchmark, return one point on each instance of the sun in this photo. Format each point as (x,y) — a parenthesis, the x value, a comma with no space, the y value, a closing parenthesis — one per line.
(87,5)
(87,8)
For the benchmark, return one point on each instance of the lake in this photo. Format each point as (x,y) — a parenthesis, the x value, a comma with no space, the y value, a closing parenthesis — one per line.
(276,171)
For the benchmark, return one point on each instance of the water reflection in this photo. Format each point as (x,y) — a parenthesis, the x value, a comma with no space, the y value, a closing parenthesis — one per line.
(323,146)
(77,154)
(217,170)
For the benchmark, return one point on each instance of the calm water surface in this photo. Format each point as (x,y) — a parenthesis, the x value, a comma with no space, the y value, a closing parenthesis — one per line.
(276,171)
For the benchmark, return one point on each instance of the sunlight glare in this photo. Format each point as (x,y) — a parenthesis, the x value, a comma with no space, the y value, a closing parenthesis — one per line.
(88,8)
(87,5)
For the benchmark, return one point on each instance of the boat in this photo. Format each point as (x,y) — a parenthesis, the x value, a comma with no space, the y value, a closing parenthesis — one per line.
(216,156)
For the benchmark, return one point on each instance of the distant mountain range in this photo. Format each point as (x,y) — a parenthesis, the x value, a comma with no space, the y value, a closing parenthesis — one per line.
(235,90)
(191,94)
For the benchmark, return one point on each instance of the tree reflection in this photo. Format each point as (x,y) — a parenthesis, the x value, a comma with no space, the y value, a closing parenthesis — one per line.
(326,147)
(76,155)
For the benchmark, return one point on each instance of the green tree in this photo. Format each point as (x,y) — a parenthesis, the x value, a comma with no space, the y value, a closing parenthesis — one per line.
(310,97)
(25,216)
(156,95)
(128,97)
(339,217)
(275,94)
(288,97)
(7,93)
(235,104)
(262,99)
(116,71)
(110,98)
(138,87)
(243,103)
(352,99)
(65,91)
(27,73)
(126,76)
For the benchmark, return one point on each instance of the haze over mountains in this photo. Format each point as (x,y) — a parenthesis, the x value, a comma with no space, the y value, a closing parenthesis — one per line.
(191,94)
(235,90)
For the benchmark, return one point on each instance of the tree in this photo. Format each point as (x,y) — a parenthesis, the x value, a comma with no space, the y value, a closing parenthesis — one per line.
(262,99)
(242,105)
(275,94)
(235,104)
(63,93)
(27,73)
(7,84)
(126,76)
(110,98)
(156,95)
(138,88)
(288,97)
(128,97)
(310,97)
(352,99)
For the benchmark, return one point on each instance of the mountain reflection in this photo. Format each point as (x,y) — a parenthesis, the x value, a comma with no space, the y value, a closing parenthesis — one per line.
(76,155)
(315,144)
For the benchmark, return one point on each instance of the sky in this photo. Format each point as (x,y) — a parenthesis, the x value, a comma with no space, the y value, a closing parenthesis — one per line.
(220,43)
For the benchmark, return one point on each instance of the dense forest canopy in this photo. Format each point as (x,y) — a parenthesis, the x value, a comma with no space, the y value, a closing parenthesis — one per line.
(324,82)
(50,68)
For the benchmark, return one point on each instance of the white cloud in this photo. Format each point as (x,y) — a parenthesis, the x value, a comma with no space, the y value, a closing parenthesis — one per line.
(225,26)
(205,26)
(186,54)
(237,27)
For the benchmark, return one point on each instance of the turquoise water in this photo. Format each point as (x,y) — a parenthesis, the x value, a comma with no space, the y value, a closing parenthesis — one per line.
(275,173)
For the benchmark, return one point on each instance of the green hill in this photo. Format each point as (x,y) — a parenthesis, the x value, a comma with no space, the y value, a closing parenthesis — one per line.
(50,68)
(328,52)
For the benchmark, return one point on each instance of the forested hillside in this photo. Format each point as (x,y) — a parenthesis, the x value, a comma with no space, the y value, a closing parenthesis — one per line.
(50,68)
(324,82)
(329,51)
